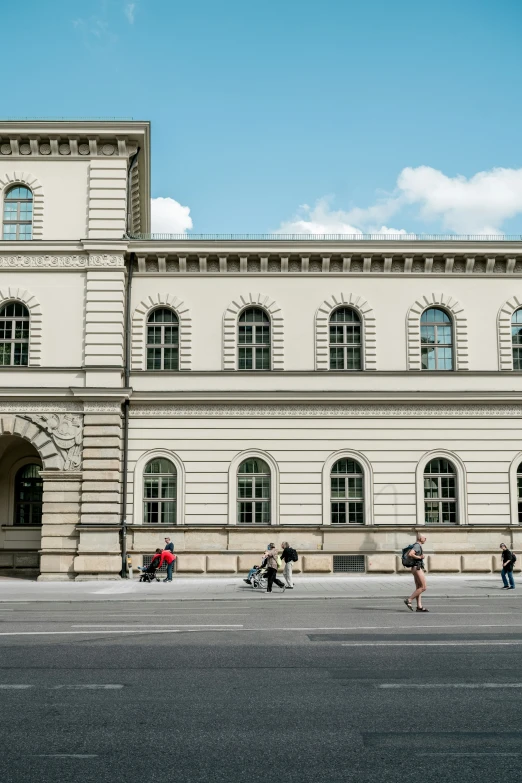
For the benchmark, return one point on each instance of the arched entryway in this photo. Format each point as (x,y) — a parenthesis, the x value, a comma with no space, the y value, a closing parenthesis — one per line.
(21,497)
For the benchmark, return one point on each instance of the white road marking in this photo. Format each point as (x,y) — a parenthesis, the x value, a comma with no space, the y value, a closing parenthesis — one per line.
(156,625)
(460,643)
(87,687)
(15,687)
(66,756)
(470,685)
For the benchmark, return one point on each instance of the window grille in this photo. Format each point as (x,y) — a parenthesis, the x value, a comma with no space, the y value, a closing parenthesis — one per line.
(253,340)
(14,335)
(28,496)
(345,340)
(516,338)
(253,492)
(18,213)
(159,486)
(440,493)
(163,340)
(147,560)
(347,493)
(436,340)
(349,564)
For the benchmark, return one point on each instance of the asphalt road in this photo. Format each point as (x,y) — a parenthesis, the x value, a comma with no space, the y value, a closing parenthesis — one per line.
(321,691)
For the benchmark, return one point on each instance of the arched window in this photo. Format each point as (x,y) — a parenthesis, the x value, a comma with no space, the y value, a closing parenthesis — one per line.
(159,492)
(253,492)
(14,334)
(347,493)
(440,493)
(516,338)
(253,340)
(345,340)
(18,213)
(163,340)
(436,340)
(519,493)
(28,496)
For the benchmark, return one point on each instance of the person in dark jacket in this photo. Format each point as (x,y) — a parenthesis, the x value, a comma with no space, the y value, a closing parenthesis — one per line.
(169,545)
(287,558)
(507,568)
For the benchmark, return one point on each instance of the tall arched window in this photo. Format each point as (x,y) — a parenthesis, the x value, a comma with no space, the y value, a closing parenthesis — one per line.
(440,493)
(253,492)
(253,340)
(159,492)
(14,334)
(436,340)
(345,340)
(347,493)
(163,340)
(28,496)
(519,493)
(516,338)
(18,213)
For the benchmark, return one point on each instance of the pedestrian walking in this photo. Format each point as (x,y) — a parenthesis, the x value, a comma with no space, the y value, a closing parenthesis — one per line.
(288,556)
(169,545)
(508,561)
(168,558)
(272,564)
(413,557)
(255,568)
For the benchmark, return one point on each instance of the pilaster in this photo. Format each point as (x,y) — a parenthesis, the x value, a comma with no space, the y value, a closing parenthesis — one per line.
(61,513)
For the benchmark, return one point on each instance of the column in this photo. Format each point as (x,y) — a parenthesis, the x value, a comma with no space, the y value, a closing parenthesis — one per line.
(99,551)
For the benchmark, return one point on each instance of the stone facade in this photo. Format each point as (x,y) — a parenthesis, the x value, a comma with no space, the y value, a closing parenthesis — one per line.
(87,360)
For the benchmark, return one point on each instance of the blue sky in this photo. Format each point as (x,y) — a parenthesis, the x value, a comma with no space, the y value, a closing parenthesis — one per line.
(258,108)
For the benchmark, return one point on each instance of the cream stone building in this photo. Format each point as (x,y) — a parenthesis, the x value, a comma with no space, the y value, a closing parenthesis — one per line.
(337,393)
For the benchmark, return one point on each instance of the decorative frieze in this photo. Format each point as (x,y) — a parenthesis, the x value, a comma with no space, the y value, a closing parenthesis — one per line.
(65,146)
(60,262)
(319,411)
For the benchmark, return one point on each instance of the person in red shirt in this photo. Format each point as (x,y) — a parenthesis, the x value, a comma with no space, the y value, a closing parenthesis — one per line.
(166,557)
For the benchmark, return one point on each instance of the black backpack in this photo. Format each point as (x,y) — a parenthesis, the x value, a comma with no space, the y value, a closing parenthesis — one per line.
(407,562)
(293,554)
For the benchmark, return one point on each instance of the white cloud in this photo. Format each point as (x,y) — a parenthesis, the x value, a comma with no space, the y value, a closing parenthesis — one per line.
(130,10)
(169,216)
(478,205)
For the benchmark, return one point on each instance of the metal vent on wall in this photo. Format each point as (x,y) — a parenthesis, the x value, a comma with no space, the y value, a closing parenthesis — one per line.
(348,564)
(146,562)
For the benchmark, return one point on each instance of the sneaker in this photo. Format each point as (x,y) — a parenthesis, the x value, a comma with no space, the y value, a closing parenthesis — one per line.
(247,581)
(289,587)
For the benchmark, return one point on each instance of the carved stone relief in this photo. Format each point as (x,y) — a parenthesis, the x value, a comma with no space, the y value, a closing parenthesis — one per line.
(56,436)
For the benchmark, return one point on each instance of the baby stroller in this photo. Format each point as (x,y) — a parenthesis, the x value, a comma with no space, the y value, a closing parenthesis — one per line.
(148,574)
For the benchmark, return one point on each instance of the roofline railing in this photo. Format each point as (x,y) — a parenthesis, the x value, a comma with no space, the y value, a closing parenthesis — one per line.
(333,237)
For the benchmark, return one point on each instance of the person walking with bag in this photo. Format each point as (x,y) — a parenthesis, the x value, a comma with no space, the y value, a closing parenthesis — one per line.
(508,561)
(272,564)
(288,556)
(413,557)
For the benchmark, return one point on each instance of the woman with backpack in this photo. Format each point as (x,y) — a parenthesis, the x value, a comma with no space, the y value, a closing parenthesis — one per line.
(288,556)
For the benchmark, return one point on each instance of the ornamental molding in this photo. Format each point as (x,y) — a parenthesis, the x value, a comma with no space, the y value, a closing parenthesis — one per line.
(505,342)
(56,436)
(35,320)
(459,327)
(65,146)
(327,411)
(101,407)
(230,329)
(41,407)
(7,180)
(139,329)
(60,262)
(368,330)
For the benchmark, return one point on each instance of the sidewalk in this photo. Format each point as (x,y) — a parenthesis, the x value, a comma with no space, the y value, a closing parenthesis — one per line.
(226,589)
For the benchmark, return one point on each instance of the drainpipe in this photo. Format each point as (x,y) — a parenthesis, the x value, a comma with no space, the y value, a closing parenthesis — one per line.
(126,404)
(126,376)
